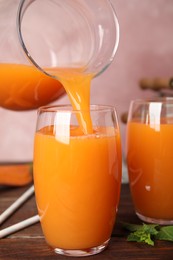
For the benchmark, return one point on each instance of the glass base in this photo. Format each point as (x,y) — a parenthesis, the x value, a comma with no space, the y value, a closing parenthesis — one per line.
(155,220)
(82,252)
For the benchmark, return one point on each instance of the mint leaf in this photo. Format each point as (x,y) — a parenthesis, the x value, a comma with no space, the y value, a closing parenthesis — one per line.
(141,233)
(165,233)
(140,236)
(144,234)
(147,233)
(150,228)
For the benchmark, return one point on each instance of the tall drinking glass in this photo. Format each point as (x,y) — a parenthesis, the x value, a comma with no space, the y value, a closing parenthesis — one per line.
(77,178)
(150,159)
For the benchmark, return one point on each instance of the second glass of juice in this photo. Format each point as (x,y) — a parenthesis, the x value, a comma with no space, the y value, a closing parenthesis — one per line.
(150,159)
(77,178)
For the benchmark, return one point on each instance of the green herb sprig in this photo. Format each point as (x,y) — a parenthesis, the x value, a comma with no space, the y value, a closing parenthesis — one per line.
(148,233)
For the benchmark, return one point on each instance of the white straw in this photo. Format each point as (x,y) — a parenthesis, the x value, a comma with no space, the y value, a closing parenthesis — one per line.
(16,204)
(14,228)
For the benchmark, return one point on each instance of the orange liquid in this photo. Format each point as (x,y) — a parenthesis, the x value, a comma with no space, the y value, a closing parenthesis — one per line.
(77,183)
(23,87)
(77,86)
(77,186)
(150,167)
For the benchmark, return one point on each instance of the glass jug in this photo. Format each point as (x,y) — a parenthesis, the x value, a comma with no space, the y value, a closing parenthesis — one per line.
(52,33)
(72,41)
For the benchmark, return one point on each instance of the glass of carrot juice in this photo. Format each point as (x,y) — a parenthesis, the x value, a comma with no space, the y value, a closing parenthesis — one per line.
(77,177)
(150,159)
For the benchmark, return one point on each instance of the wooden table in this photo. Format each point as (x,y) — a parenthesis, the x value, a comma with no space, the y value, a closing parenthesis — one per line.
(29,243)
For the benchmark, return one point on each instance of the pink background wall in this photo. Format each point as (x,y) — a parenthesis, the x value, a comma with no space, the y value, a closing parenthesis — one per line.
(145,50)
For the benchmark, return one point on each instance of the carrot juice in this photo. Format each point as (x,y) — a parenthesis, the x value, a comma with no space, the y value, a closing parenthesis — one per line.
(23,87)
(77,170)
(77,186)
(77,86)
(150,167)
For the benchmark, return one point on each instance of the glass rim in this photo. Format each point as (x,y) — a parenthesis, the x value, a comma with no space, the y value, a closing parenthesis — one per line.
(153,100)
(64,108)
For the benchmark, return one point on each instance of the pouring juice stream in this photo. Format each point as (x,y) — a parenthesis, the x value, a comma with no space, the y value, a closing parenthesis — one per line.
(77,86)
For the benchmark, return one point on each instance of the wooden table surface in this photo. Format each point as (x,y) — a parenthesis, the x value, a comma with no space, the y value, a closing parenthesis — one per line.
(29,243)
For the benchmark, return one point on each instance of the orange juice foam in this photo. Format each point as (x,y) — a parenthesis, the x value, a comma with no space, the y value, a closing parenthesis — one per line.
(150,166)
(24,87)
(77,206)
